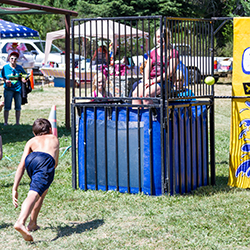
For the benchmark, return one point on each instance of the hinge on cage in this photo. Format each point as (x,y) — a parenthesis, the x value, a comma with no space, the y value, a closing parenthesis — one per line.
(211,49)
(109,113)
(79,111)
(165,125)
(154,114)
(166,185)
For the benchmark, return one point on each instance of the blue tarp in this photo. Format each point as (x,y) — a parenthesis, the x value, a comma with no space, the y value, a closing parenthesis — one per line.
(10,30)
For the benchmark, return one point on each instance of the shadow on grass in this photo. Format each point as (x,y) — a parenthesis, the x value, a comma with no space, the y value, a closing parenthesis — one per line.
(5,225)
(77,228)
(23,132)
(225,83)
(219,187)
(7,185)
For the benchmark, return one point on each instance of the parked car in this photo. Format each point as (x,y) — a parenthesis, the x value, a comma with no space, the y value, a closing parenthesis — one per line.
(35,53)
(202,66)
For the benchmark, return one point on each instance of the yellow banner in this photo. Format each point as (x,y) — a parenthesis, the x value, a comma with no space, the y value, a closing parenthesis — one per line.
(239,165)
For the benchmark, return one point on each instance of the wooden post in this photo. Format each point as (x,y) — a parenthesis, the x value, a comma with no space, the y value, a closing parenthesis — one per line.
(67,72)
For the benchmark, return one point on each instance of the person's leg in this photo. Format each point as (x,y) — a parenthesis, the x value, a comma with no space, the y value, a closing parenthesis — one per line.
(8,95)
(34,213)
(133,88)
(26,209)
(6,116)
(18,114)
(138,92)
(153,91)
(18,101)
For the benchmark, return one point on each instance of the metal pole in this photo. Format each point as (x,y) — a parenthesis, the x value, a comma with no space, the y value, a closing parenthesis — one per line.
(73,143)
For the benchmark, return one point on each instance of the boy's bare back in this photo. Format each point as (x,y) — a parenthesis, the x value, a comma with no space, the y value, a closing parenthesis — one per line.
(47,143)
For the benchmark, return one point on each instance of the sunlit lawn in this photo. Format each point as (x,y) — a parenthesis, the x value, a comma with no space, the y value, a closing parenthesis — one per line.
(210,218)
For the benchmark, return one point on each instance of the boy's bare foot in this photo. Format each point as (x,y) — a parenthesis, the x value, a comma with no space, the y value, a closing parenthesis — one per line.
(21,229)
(32,228)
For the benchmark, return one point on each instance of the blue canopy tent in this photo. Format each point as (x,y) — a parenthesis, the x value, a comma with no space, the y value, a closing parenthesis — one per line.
(10,30)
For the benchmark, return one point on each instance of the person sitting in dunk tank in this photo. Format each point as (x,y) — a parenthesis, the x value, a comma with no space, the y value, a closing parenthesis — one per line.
(99,86)
(151,86)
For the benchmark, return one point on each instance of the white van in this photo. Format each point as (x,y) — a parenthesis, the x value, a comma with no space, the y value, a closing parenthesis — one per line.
(35,51)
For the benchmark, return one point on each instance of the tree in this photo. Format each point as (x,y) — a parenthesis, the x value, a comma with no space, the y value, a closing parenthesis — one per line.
(114,8)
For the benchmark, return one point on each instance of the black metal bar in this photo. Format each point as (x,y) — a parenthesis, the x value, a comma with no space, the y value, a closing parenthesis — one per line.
(163,146)
(197,146)
(91,50)
(207,145)
(139,149)
(105,148)
(206,67)
(212,128)
(191,148)
(173,151)
(124,18)
(179,150)
(85,149)
(151,151)
(114,50)
(108,62)
(73,146)
(221,25)
(168,150)
(131,52)
(85,66)
(127,149)
(95,149)
(199,57)
(193,104)
(73,58)
(119,56)
(202,148)
(116,149)
(125,60)
(185,151)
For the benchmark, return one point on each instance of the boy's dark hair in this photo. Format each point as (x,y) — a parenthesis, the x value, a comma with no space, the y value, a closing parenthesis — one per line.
(41,126)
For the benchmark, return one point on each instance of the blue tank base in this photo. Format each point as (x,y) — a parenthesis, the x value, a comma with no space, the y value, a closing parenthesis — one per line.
(133,190)
(151,172)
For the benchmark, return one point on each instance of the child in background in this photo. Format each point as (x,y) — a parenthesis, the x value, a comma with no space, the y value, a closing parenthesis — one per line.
(99,86)
(40,158)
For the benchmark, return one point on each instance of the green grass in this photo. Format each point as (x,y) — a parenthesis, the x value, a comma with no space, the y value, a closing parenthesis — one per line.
(209,218)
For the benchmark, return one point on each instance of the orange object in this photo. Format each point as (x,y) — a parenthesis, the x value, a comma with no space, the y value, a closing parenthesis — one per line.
(32,79)
(215,64)
(52,119)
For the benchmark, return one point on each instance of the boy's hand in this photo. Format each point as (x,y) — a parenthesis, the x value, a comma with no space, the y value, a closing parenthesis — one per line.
(15,198)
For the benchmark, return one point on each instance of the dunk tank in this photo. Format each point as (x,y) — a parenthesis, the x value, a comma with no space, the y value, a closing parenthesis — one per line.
(129,135)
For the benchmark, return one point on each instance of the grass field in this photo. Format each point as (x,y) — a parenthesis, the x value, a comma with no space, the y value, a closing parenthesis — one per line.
(209,218)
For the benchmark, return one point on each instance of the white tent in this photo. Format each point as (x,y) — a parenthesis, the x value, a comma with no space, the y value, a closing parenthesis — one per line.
(106,29)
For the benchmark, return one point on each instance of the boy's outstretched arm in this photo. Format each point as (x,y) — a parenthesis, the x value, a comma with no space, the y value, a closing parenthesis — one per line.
(19,174)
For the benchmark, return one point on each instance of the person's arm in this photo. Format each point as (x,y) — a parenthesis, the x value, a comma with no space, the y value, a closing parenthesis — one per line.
(171,68)
(19,174)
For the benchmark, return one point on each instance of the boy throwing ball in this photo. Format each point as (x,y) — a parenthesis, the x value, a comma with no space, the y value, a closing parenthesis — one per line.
(40,158)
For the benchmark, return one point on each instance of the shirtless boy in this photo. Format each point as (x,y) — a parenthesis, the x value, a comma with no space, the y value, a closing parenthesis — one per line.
(40,158)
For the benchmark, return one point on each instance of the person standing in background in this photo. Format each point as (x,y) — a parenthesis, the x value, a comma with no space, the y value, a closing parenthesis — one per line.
(11,75)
